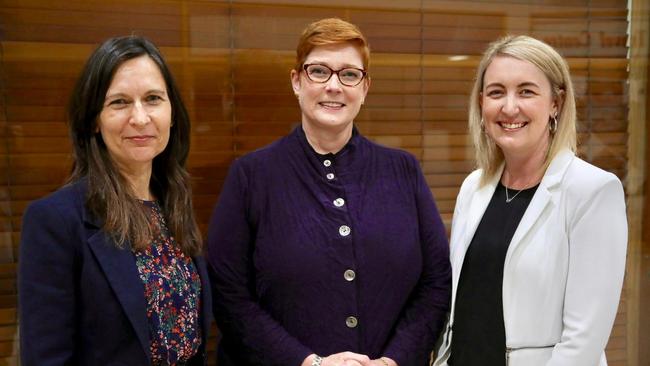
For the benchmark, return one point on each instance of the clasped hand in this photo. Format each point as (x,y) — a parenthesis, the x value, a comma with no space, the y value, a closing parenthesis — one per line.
(352,359)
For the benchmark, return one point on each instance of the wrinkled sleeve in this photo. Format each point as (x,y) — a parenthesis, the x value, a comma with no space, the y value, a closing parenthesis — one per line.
(46,288)
(425,313)
(253,336)
(597,249)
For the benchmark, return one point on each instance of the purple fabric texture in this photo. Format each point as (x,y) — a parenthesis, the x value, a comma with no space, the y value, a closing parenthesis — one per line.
(301,242)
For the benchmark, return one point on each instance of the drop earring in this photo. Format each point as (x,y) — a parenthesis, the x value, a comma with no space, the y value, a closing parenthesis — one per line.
(552,124)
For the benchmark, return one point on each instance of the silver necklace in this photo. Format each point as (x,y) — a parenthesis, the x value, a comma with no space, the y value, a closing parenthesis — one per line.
(528,185)
(509,199)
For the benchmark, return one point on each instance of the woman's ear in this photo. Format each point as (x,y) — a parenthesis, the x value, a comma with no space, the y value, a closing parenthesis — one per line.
(295,82)
(558,102)
(366,87)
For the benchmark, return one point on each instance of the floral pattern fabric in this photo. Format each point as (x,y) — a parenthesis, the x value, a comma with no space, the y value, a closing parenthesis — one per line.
(172,293)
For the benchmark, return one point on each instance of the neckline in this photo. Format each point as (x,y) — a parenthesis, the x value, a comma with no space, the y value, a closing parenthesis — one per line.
(519,190)
(352,142)
(150,203)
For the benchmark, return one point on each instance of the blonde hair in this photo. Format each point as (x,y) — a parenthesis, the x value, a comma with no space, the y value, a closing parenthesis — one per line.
(489,156)
(331,31)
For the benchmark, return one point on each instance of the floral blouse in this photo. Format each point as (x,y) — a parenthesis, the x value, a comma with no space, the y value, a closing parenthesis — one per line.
(172,292)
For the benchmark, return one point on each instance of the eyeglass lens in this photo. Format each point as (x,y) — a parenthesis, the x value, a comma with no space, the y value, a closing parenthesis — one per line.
(322,73)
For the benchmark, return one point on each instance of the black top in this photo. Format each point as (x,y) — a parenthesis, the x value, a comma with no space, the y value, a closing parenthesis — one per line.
(478,332)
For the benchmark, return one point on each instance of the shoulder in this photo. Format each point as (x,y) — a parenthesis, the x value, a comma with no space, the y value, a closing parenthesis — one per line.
(66,203)
(51,224)
(471,183)
(473,179)
(586,189)
(583,179)
(263,155)
(390,154)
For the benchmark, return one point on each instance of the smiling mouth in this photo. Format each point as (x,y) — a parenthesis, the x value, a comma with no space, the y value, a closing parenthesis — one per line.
(332,105)
(512,125)
(143,138)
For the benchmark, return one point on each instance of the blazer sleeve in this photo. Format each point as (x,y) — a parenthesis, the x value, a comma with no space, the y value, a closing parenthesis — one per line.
(247,328)
(425,313)
(46,287)
(597,249)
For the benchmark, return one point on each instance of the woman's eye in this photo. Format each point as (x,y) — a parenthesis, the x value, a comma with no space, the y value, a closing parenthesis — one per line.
(351,74)
(494,93)
(118,103)
(527,92)
(153,99)
(318,71)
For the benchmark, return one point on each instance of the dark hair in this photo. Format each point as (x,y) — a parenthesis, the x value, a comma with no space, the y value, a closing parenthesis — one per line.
(109,196)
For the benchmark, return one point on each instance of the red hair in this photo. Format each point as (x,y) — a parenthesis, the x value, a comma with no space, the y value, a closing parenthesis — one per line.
(331,31)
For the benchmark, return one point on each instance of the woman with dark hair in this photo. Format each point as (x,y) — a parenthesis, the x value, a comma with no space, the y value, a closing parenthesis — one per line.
(110,269)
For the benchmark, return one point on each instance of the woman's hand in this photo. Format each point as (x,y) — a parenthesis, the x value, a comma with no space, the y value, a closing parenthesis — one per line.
(383,361)
(350,359)
(342,359)
(346,359)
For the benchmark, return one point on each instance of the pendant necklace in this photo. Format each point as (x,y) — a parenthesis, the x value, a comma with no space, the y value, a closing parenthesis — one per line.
(509,199)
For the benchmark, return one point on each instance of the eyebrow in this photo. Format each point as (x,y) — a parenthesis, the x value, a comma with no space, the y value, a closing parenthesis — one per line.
(344,66)
(521,85)
(150,91)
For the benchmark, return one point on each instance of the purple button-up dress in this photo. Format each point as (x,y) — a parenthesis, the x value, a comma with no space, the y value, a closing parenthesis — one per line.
(322,254)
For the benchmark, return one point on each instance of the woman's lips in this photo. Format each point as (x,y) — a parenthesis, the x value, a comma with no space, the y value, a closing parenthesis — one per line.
(512,125)
(140,138)
(332,105)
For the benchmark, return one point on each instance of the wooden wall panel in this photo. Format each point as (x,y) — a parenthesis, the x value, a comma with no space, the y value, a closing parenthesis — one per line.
(232,61)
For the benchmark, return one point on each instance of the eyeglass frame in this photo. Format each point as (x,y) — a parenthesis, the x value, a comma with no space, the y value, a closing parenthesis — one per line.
(364,73)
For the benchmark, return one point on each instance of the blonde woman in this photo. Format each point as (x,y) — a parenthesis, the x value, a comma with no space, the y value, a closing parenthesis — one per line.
(539,236)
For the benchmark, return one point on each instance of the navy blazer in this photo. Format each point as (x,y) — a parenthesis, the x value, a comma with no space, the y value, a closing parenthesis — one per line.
(81,300)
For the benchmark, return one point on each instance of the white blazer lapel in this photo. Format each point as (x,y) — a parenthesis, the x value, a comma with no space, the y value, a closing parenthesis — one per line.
(473,207)
(478,202)
(543,196)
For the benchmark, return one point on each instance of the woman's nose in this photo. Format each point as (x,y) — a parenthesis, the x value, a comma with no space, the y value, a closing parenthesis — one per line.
(510,105)
(139,114)
(333,84)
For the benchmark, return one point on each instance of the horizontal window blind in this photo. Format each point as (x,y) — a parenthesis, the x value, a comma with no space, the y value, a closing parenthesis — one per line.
(232,61)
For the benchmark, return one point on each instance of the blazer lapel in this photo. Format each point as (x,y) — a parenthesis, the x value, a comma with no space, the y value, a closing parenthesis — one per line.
(479,202)
(206,298)
(122,274)
(542,198)
(475,205)
(539,202)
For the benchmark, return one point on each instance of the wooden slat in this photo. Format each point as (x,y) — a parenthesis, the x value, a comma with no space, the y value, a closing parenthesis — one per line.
(232,61)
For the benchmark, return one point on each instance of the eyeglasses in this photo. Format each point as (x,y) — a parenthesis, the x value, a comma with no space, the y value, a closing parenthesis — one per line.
(349,76)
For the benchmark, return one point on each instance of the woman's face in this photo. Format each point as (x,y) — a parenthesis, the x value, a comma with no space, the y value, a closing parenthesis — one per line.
(330,105)
(516,104)
(136,117)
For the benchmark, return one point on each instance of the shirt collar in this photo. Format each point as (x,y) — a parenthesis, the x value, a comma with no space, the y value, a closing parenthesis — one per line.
(351,145)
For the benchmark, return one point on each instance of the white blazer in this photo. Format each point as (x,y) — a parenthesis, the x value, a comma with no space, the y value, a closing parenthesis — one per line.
(563,270)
